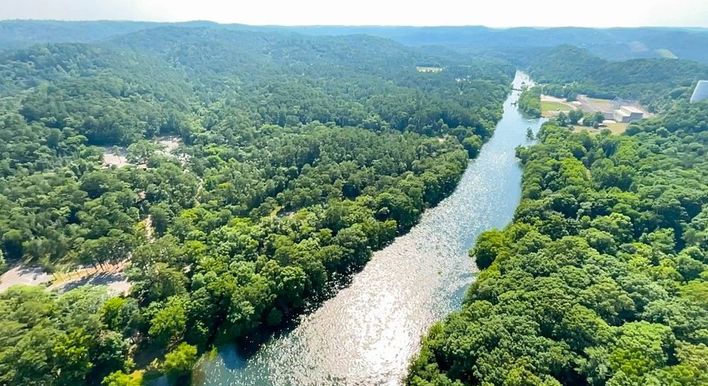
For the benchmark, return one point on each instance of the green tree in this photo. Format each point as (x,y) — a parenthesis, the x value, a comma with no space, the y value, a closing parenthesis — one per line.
(72,358)
(488,247)
(180,361)
(119,378)
(169,321)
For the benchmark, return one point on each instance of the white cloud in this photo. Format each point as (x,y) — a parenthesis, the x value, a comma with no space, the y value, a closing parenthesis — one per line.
(496,13)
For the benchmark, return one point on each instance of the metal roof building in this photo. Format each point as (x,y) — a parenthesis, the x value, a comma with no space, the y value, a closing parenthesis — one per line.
(627,114)
(701,91)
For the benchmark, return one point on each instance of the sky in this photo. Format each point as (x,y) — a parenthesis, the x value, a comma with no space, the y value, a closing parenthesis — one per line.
(492,13)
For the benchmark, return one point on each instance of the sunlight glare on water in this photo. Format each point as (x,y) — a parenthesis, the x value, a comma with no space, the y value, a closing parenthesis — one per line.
(369,331)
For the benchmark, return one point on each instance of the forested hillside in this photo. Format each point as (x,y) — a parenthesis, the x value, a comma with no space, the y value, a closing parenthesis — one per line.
(568,71)
(24,33)
(609,43)
(601,278)
(292,155)
(298,156)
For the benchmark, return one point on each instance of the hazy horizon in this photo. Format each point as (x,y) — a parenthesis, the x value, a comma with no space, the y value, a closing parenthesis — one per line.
(689,27)
(444,13)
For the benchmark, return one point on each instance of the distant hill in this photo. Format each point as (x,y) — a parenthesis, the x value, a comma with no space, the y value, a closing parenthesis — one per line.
(145,82)
(569,70)
(23,33)
(613,43)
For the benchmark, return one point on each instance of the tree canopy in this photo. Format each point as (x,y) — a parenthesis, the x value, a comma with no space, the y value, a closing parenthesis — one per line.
(294,157)
(601,277)
(567,71)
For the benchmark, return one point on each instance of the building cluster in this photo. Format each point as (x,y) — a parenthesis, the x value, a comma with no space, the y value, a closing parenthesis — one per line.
(626,114)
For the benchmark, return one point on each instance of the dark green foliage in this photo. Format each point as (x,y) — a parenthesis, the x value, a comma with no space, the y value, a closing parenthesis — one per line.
(567,71)
(610,43)
(50,339)
(530,101)
(601,278)
(488,247)
(298,156)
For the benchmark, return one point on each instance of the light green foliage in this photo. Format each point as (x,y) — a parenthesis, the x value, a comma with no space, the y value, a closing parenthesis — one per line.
(488,247)
(169,320)
(600,279)
(473,144)
(180,360)
(72,352)
(301,155)
(119,378)
(141,151)
(530,101)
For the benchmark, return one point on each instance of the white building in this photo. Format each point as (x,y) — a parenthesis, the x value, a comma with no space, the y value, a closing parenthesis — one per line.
(701,91)
(627,114)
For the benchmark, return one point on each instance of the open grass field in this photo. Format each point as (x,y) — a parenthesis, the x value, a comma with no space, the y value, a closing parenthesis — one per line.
(559,106)
(551,108)
(615,128)
(594,104)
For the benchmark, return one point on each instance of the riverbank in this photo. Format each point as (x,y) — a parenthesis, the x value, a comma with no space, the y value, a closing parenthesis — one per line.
(570,296)
(368,332)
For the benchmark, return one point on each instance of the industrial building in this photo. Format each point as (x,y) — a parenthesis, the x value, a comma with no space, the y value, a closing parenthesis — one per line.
(701,91)
(626,114)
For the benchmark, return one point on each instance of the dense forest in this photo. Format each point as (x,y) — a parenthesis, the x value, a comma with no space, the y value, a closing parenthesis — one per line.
(601,278)
(608,43)
(297,157)
(567,71)
(299,151)
(530,101)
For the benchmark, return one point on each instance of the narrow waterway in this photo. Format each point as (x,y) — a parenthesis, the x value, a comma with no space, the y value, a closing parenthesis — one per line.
(368,332)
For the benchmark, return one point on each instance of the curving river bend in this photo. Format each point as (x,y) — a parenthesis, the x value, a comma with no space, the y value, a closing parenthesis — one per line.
(368,333)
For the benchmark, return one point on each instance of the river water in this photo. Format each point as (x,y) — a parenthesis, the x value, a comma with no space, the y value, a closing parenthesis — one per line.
(369,331)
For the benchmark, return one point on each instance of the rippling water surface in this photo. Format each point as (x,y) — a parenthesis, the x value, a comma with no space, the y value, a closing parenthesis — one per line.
(369,331)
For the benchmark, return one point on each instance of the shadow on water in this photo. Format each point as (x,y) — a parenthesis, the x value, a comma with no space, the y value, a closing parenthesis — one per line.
(236,356)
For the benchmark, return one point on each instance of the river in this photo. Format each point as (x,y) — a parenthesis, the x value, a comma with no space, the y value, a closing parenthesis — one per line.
(369,331)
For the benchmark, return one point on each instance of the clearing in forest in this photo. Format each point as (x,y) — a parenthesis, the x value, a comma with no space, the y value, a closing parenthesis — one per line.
(552,106)
(616,128)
